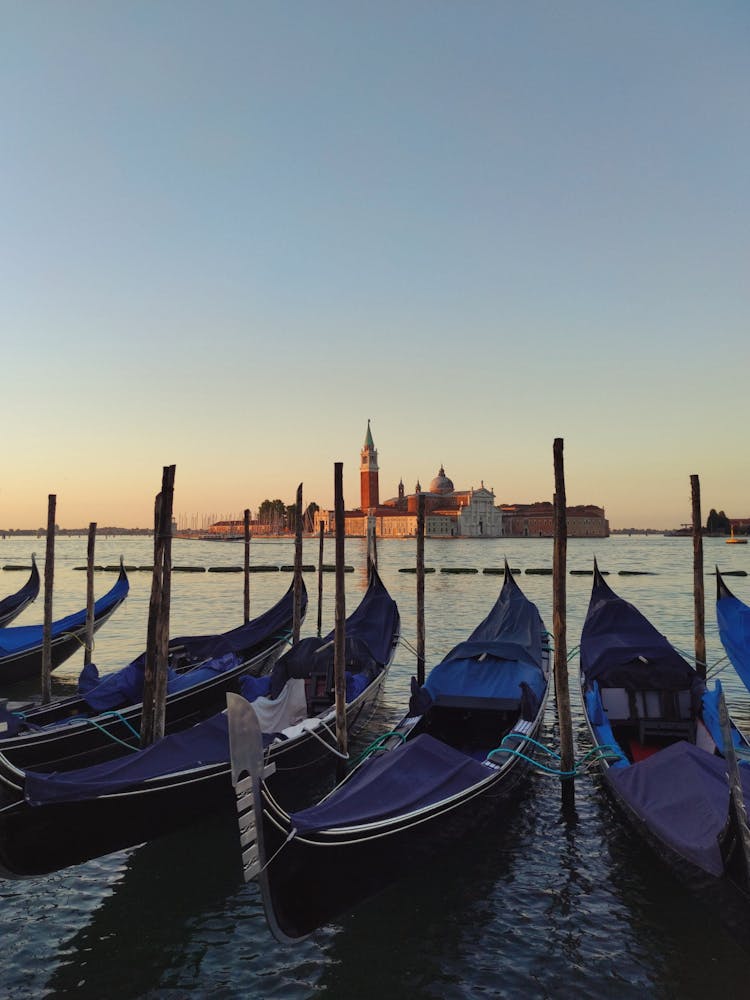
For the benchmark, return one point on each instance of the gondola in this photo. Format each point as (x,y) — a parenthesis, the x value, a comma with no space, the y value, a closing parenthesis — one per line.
(456,755)
(63,817)
(12,606)
(733,619)
(105,716)
(21,645)
(672,750)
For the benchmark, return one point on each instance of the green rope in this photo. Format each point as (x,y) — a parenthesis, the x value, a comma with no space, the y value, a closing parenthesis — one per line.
(377,744)
(106,732)
(602,751)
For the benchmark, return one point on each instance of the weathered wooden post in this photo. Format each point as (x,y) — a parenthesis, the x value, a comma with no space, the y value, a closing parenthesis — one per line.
(339,641)
(372,543)
(320,580)
(89,638)
(698,592)
(562,691)
(157,638)
(297,612)
(420,591)
(246,591)
(49,577)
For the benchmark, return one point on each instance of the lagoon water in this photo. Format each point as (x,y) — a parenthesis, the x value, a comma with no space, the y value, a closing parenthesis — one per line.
(532,906)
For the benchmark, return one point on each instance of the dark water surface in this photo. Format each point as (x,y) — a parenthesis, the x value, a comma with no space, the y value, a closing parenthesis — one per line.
(533,905)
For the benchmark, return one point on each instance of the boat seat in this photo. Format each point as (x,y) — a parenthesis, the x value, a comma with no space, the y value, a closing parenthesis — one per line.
(662,714)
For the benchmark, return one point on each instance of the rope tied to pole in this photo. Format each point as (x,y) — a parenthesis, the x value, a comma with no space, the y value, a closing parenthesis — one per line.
(602,751)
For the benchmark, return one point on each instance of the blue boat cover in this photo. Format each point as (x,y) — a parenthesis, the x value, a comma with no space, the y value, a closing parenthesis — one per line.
(19,638)
(733,618)
(242,639)
(125,686)
(601,724)
(711,718)
(682,795)
(375,621)
(621,648)
(205,743)
(503,651)
(369,635)
(419,773)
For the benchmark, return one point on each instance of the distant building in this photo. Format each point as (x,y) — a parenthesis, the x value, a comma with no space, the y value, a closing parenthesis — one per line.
(452,513)
(449,513)
(537,520)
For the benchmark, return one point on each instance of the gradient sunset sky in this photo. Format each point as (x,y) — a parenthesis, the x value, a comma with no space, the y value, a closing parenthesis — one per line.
(234,231)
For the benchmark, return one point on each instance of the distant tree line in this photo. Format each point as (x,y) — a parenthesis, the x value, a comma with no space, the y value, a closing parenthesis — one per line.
(718,524)
(283,517)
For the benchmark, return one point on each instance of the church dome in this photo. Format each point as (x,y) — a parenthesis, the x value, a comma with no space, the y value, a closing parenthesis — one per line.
(441,483)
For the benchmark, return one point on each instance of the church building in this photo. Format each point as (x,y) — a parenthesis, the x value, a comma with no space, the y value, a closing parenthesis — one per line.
(449,513)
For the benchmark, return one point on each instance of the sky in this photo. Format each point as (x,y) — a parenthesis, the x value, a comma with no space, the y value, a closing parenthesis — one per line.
(233,232)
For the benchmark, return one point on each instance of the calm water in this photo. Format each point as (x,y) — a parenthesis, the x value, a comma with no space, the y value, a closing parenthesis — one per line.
(535,907)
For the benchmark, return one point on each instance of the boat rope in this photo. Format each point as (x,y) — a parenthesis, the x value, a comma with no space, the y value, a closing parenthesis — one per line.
(574,652)
(292,834)
(407,645)
(602,751)
(377,744)
(718,667)
(112,736)
(333,750)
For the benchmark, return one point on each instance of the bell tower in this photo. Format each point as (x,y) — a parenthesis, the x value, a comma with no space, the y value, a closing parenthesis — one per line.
(368,473)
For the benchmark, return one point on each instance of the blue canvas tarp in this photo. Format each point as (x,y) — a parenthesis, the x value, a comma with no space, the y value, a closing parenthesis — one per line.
(503,652)
(621,648)
(221,653)
(205,743)
(18,638)
(414,775)
(733,618)
(682,795)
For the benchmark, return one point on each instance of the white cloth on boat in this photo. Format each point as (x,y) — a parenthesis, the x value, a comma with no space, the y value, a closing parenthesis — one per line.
(275,714)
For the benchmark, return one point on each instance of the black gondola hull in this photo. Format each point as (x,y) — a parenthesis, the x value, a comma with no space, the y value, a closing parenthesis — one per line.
(315,880)
(81,744)
(11,607)
(36,840)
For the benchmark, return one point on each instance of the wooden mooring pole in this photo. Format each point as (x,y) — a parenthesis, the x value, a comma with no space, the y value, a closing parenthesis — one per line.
(49,577)
(246,565)
(88,646)
(420,591)
(157,637)
(698,591)
(559,612)
(339,641)
(320,578)
(297,613)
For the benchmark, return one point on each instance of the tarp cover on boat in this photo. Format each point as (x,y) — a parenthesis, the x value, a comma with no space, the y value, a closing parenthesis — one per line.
(414,775)
(369,635)
(733,618)
(221,653)
(682,795)
(205,743)
(621,648)
(18,638)
(244,637)
(502,652)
